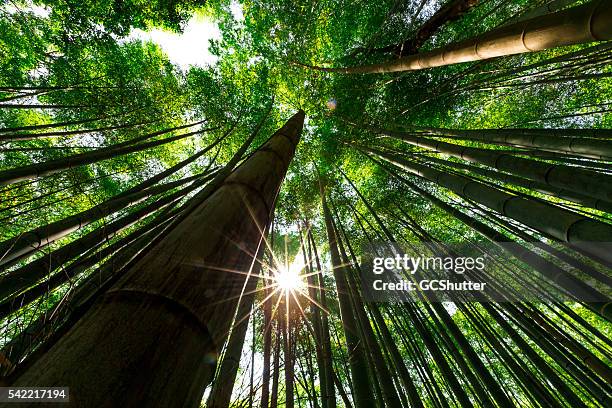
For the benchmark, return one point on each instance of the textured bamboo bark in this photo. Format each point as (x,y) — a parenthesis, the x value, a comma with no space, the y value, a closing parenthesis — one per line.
(592,146)
(582,181)
(55,166)
(362,387)
(39,333)
(582,24)
(19,279)
(581,199)
(221,392)
(59,258)
(172,304)
(551,271)
(590,235)
(30,241)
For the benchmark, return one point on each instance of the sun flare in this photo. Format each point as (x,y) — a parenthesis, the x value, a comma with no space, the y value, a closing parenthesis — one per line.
(289,278)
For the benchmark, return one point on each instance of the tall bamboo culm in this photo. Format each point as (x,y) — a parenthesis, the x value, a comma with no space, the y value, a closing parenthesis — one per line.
(171,306)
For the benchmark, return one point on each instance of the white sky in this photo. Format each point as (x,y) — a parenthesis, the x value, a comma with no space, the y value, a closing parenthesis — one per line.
(183,49)
(187,48)
(191,46)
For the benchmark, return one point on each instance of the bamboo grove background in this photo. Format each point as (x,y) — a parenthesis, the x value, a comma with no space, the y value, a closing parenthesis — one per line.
(106,146)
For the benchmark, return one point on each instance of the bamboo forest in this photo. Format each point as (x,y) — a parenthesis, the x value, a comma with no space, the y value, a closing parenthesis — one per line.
(309,204)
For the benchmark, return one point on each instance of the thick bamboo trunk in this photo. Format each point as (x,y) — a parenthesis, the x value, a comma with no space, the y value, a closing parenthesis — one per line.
(45,266)
(572,141)
(19,279)
(548,269)
(30,241)
(578,180)
(591,236)
(581,199)
(50,326)
(362,388)
(582,24)
(154,337)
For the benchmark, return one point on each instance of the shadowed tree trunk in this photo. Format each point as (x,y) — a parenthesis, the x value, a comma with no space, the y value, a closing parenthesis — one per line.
(586,23)
(553,272)
(362,388)
(171,307)
(568,141)
(581,199)
(221,393)
(449,12)
(328,395)
(50,326)
(276,374)
(588,234)
(55,166)
(579,180)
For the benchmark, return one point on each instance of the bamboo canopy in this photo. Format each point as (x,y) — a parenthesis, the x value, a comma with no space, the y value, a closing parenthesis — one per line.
(586,23)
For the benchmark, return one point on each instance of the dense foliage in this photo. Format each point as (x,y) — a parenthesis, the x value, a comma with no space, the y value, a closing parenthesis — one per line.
(73,85)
